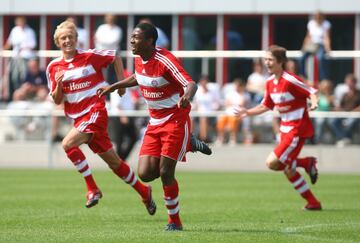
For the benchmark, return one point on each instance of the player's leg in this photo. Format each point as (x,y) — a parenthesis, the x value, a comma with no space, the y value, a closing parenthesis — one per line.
(309,164)
(71,144)
(286,153)
(149,168)
(171,193)
(124,171)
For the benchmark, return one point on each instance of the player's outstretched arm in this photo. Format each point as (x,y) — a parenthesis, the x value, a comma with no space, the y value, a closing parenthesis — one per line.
(119,70)
(242,112)
(314,102)
(125,83)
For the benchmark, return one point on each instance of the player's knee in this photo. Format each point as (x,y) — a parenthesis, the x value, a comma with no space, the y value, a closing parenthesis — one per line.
(146,175)
(272,164)
(289,172)
(66,145)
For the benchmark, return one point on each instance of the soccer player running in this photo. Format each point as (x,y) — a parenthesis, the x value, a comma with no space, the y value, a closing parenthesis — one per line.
(288,94)
(74,79)
(162,81)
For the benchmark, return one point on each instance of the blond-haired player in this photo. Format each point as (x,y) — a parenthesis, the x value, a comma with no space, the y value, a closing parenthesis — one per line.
(73,78)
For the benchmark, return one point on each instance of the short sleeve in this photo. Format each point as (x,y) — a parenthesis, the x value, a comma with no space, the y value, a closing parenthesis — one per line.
(102,58)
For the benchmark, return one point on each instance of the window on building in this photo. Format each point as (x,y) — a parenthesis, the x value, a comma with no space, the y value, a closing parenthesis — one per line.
(163,23)
(243,33)
(198,33)
(342,38)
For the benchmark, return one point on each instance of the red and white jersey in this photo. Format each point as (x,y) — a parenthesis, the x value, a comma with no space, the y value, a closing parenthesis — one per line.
(82,77)
(162,80)
(289,96)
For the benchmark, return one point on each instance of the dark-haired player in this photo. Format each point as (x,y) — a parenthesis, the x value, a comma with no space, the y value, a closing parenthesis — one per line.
(167,89)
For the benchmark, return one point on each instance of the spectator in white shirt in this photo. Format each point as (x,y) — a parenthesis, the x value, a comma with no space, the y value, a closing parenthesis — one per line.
(108,36)
(317,42)
(206,99)
(255,84)
(22,40)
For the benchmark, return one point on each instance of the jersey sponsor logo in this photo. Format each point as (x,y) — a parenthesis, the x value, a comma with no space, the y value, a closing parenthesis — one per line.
(75,86)
(154,83)
(85,72)
(152,95)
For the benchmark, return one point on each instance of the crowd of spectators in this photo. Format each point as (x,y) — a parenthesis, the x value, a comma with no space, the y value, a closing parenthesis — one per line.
(27,83)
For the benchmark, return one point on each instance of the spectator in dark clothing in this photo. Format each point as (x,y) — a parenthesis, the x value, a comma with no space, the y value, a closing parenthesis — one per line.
(342,127)
(34,87)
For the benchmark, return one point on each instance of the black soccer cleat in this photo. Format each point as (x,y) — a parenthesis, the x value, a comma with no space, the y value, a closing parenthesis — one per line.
(312,170)
(199,145)
(173,227)
(149,203)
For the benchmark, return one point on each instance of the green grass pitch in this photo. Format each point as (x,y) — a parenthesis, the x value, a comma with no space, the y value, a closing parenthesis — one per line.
(48,206)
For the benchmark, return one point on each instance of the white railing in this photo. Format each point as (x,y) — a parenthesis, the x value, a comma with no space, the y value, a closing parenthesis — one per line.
(209,54)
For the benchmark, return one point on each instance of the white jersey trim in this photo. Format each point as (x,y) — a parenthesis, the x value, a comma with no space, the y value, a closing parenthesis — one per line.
(279,98)
(183,147)
(154,121)
(80,72)
(285,129)
(289,149)
(292,115)
(163,59)
(79,96)
(76,115)
(298,83)
(165,103)
(151,81)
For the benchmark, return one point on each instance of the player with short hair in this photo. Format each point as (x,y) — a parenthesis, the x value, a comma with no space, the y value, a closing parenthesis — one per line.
(288,94)
(74,79)
(167,89)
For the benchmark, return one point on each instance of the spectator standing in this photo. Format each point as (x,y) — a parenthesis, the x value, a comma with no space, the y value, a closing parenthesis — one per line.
(108,36)
(206,99)
(22,40)
(317,42)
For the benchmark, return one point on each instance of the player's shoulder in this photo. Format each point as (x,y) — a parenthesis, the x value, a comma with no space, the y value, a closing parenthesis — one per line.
(54,62)
(96,52)
(165,57)
(162,52)
(270,78)
(291,77)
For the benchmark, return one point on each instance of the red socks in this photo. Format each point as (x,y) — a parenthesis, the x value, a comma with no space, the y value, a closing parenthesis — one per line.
(301,186)
(303,162)
(127,174)
(79,160)
(171,197)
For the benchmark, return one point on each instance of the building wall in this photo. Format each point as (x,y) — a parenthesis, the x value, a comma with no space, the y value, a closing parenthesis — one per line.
(176,7)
